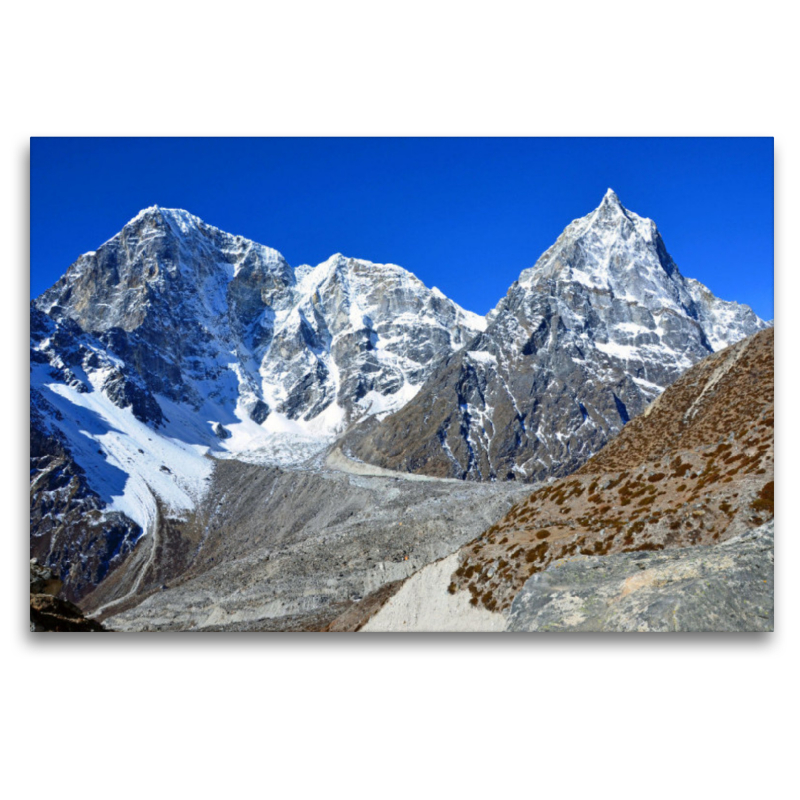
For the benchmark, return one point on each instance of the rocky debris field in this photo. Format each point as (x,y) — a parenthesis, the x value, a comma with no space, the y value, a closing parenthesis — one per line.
(281,549)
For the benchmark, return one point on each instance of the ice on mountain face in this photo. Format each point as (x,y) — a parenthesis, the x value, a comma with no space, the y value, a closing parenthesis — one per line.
(202,315)
(586,338)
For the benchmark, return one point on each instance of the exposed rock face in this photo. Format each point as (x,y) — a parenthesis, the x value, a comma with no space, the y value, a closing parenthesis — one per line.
(62,353)
(221,431)
(580,345)
(70,530)
(727,587)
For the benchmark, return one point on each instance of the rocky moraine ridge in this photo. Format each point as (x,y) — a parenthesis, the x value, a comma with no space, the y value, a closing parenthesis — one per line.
(175,349)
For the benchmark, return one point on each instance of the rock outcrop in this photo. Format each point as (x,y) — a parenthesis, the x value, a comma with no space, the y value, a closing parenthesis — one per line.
(71,528)
(50,613)
(727,587)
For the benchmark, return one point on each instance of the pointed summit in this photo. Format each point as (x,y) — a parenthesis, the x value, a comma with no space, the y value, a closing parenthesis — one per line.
(581,344)
(611,201)
(611,213)
(159,216)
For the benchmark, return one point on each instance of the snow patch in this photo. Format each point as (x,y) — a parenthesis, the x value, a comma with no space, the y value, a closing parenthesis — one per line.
(129,464)
(482,357)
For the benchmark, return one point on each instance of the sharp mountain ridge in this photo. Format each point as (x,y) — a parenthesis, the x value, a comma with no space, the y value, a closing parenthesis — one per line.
(582,343)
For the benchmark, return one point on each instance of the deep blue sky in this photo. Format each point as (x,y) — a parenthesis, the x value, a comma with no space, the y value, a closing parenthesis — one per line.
(466,215)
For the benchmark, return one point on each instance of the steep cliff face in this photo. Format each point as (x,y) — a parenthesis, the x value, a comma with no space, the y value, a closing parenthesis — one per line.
(227,327)
(580,345)
(71,526)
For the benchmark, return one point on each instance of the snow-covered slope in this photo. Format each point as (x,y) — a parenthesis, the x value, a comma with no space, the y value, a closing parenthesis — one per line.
(581,343)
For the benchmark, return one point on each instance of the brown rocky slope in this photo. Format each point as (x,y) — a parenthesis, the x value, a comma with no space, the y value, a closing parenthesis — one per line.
(696,468)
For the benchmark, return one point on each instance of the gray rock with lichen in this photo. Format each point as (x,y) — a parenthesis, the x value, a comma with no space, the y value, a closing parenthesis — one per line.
(725,587)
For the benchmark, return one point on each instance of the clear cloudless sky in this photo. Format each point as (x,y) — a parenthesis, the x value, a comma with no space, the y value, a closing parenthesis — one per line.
(464,214)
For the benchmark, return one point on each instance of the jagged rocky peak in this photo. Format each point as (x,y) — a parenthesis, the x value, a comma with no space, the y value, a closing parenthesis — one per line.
(161,253)
(612,205)
(582,342)
(616,251)
(359,338)
(611,211)
(206,318)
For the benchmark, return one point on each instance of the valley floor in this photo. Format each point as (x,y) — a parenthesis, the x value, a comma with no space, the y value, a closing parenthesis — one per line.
(279,548)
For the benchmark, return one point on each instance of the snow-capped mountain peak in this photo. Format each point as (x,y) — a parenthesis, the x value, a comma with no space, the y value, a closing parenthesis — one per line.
(611,201)
(614,251)
(217,321)
(582,342)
